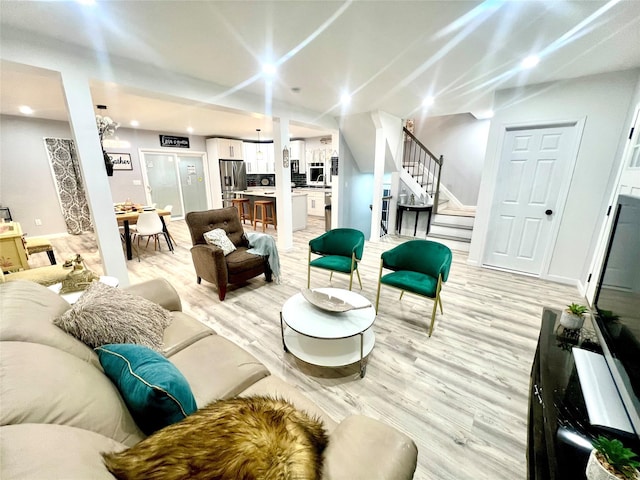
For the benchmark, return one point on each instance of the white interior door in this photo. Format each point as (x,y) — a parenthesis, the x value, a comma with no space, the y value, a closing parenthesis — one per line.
(176,180)
(162,181)
(193,185)
(535,165)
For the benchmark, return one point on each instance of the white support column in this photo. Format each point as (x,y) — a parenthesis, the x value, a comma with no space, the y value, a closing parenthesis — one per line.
(335,183)
(284,208)
(378,179)
(393,204)
(85,134)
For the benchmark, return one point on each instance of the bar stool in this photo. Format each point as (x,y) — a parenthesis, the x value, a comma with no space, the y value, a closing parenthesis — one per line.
(239,203)
(265,206)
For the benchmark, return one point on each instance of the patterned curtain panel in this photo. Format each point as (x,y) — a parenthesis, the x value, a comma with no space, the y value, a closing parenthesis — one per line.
(66,170)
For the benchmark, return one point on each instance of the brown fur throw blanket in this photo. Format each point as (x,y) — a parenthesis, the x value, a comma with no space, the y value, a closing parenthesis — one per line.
(252,438)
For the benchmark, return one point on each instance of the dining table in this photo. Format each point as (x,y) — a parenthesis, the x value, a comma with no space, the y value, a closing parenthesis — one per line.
(130,217)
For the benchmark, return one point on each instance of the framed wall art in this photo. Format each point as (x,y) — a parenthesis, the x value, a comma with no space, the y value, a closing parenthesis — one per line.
(121,161)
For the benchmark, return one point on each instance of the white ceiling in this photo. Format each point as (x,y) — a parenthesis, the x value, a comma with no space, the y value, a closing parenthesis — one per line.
(388,55)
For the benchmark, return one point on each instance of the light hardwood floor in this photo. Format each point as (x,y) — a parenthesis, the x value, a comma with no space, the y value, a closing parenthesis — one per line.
(461,395)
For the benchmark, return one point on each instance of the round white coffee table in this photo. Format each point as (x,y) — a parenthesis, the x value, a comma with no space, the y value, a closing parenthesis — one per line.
(326,338)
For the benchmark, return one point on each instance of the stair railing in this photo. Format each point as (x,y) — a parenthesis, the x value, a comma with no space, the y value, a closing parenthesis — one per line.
(423,166)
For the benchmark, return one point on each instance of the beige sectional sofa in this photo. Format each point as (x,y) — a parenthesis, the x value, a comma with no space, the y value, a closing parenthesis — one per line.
(59,410)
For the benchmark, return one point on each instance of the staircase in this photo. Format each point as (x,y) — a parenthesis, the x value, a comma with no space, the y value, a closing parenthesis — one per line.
(423,167)
(450,226)
(452,230)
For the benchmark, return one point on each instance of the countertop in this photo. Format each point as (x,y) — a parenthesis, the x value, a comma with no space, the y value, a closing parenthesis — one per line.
(269,192)
(311,188)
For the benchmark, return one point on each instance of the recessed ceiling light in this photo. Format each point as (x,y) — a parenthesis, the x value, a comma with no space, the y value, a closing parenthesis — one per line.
(190,129)
(135,123)
(345,99)
(428,101)
(269,69)
(25,110)
(530,62)
(485,115)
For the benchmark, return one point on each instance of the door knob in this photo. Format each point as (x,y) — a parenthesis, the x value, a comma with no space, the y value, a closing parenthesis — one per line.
(548,212)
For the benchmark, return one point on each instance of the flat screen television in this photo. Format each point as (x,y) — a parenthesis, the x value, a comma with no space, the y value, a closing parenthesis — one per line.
(617,305)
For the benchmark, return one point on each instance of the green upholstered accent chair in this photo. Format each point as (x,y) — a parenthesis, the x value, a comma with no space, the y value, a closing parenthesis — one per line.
(420,267)
(340,250)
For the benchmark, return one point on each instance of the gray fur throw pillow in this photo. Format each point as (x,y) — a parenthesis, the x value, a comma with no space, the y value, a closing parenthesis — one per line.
(105,314)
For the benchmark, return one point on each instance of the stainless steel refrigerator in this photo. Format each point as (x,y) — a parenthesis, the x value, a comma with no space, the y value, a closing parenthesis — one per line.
(233,177)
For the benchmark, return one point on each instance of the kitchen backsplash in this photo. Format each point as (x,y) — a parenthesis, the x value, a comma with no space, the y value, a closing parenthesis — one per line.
(259,179)
(299,178)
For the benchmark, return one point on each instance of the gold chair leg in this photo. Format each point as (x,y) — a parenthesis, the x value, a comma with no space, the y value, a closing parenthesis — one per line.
(309,269)
(354,267)
(401,294)
(331,277)
(379,284)
(433,316)
(436,301)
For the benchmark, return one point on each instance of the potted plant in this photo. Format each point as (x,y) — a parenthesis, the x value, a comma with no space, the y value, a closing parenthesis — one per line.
(611,460)
(573,316)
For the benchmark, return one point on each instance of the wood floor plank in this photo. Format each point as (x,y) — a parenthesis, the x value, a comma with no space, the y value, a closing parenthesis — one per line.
(461,394)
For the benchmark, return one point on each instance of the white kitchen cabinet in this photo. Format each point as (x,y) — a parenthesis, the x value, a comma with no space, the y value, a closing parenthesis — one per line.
(250,160)
(266,164)
(229,149)
(315,202)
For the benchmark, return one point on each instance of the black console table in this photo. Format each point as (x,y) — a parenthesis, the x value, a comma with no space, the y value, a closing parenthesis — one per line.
(413,208)
(559,432)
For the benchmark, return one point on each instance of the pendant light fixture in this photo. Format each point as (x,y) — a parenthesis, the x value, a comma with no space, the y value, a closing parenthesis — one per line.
(258,151)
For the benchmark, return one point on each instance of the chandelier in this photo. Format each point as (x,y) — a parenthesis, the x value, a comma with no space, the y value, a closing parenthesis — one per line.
(258,151)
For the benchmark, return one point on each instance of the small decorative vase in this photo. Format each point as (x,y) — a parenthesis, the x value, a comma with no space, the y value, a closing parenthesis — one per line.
(108,164)
(571,321)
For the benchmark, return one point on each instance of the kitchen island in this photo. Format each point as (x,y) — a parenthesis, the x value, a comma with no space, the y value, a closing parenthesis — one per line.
(298,204)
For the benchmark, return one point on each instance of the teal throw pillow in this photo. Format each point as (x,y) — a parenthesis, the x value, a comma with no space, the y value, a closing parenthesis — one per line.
(155,391)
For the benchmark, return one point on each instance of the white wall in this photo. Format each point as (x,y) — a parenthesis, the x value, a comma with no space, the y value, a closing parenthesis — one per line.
(355,191)
(603,101)
(606,223)
(462,139)
(121,182)
(27,186)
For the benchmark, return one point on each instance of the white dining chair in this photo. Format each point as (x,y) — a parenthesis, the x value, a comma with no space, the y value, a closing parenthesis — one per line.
(149,225)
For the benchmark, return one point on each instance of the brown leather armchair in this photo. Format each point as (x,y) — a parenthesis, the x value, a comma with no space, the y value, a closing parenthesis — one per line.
(211,263)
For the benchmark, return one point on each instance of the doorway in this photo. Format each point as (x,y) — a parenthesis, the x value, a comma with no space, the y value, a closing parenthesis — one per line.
(175,179)
(628,183)
(533,179)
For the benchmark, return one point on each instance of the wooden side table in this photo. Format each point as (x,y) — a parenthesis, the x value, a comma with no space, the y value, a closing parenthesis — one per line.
(13,255)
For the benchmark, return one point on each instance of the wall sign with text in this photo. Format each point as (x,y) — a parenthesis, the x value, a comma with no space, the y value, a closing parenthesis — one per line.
(173,141)
(121,161)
